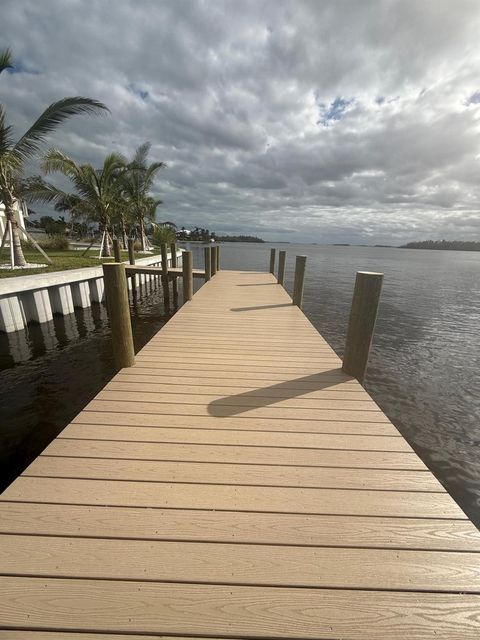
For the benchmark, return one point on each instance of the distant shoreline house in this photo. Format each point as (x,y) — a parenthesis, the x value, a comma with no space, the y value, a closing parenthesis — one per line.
(21,212)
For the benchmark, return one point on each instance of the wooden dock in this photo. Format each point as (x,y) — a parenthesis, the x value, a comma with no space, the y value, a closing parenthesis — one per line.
(235,483)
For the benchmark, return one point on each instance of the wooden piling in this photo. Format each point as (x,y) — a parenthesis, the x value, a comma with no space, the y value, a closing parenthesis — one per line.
(187,268)
(361,325)
(131,260)
(116,250)
(213,261)
(208,267)
(217,256)
(299,280)
(166,290)
(173,258)
(272,260)
(116,294)
(282,256)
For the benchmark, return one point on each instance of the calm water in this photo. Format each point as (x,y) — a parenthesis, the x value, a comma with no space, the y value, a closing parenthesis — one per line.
(423,369)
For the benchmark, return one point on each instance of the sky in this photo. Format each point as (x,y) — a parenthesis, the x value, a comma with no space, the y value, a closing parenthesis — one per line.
(326,120)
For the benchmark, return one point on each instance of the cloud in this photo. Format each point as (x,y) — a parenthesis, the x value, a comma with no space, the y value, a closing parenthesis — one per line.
(338,121)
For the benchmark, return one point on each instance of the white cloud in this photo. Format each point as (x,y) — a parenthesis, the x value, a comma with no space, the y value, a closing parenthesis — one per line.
(331,121)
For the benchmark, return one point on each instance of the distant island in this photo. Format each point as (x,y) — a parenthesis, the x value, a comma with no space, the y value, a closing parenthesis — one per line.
(238,239)
(444,245)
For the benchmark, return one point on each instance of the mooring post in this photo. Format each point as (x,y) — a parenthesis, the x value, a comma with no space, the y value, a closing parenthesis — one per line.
(116,294)
(131,259)
(282,256)
(173,259)
(187,268)
(116,250)
(213,261)
(298,280)
(217,251)
(272,260)
(361,325)
(166,290)
(208,266)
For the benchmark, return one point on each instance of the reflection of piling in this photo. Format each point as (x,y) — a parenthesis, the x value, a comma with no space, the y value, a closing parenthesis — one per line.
(116,293)
(361,325)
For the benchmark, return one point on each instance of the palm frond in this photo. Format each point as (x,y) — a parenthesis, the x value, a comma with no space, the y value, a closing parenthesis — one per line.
(6,141)
(51,118)
(36,189)
(56,160)
(6,61)
(141,154)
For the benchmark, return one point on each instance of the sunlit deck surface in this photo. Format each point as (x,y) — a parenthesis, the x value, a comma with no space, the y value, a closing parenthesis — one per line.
(235,484)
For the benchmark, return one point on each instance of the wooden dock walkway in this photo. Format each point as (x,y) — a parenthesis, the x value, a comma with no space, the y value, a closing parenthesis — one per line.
(235,483)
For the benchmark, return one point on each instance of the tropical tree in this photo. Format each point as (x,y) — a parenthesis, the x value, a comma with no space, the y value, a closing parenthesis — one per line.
(137,182)
(13,155)
(96,191)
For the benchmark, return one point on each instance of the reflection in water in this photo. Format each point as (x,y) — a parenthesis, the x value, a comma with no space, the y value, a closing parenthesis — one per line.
(51,371)
(423,370)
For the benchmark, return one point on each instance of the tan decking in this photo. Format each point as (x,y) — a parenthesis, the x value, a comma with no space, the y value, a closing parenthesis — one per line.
(235,484)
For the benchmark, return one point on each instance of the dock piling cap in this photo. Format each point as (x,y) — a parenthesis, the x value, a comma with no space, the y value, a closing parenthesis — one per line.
(369,273)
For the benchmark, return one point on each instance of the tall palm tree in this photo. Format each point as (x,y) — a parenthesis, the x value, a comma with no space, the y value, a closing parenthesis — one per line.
(137,182)
(96,191)
(14,154)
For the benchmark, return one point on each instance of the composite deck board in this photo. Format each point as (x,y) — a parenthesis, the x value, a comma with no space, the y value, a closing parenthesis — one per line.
(242,527)
(235,483)
(235,437)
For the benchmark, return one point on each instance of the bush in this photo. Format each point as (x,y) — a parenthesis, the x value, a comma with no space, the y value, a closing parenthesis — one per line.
(55,243)
(164,234)
(137,245)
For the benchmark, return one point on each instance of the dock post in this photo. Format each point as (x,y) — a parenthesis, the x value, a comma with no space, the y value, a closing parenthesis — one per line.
(173,261)
(187,267)
(208,266)
(217,251)
(213,261)
(116,250)
(116,293)
(299,280)
(166,290)
(272,260)
(131,259)
(282,256)
(361,325)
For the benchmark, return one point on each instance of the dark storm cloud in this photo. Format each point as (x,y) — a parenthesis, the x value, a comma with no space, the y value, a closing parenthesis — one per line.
(332,121)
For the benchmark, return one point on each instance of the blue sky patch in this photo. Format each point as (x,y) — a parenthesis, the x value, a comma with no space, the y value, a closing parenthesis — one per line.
(334,111)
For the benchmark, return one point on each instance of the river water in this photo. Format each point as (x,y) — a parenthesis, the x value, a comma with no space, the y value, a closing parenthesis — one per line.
(424,366)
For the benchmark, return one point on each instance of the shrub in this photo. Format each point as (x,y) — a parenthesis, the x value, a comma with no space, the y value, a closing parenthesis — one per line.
(137,245)
(55,243)
(164,234)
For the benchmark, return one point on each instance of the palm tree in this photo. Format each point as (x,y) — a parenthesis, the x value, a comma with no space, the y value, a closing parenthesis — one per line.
(137,182)
(97,191)
(14,154)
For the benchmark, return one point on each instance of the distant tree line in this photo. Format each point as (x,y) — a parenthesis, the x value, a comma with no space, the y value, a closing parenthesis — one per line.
(445,245)
(239,239)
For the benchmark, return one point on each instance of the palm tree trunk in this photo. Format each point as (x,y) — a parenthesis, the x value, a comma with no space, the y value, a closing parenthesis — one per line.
(18,257)
(142,234)
(106,248)
(124,232)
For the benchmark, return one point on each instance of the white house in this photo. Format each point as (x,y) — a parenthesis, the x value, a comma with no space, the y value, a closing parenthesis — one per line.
(21,212)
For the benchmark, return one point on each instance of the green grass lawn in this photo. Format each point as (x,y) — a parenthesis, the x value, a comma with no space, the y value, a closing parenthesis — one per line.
(63,260)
